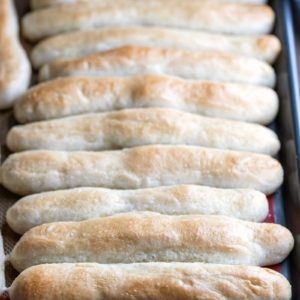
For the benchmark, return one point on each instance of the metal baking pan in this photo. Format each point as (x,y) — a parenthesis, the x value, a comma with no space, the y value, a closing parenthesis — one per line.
(285,204)
(288,122)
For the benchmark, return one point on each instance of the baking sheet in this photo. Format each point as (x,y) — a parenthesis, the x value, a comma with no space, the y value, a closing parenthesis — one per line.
(276,203)
(288,88)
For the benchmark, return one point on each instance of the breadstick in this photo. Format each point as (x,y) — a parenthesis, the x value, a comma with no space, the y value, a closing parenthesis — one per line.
(138,127)
(160,281)
(224,17)
(78,95)
(15,70)
(141,167)
(133,60)
(88,203)
(150,237)
(38,4)
(81,43)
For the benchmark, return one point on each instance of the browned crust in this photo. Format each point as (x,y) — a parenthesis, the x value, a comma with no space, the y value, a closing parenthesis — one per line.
(150,237)
(149,281)
(77,95)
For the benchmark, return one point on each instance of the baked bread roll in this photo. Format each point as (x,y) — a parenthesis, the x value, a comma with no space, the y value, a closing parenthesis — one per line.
(138,127)
(15,70)
(37,4)
(78,95)
(132,60)
(150,237)
(174,281)
(141,167)
(81,43)
(88,203)
(196,15)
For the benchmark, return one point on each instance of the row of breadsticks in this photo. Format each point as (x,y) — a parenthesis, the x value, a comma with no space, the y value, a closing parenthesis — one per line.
(143,159)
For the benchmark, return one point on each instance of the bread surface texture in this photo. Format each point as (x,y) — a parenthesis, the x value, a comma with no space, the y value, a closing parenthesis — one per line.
(81,43)
(15,68)
(78,95)
(229,18)
(137,127)
(152,237)
(87,203)
(140,167)
(174,281)
(38,4)
(135,60)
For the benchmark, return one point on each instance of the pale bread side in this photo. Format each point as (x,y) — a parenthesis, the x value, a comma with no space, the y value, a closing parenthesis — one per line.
(88,203)
(229,18)
(38,4)
(138,127)
(141,167)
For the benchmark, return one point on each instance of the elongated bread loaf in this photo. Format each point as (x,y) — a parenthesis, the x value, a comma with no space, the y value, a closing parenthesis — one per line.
(160,281)
(150,237)
(196,15)
(78,44)
(141,167)
(138,127)
(133,60)
(77,95)
(37,4)
(88,203)
(15,68)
